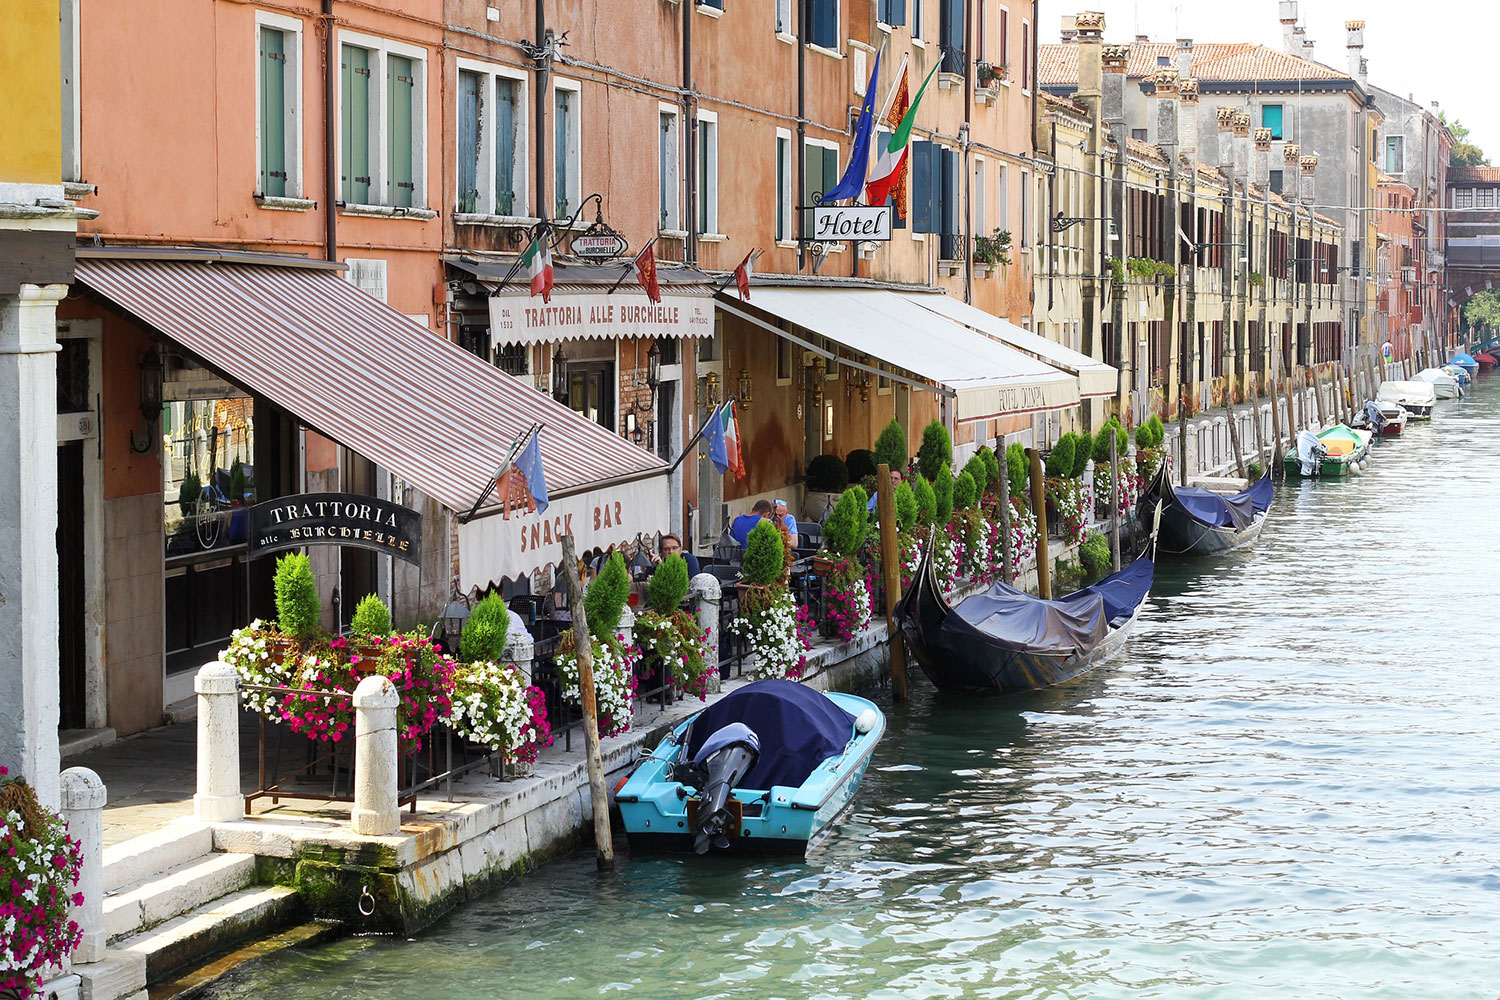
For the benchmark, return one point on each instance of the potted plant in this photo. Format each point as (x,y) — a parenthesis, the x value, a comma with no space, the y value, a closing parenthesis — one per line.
(993,250)
(40,864)
(237,484)
(614,660)
(672,636)
(299,611)
(369,627)
(770,619)
(493,706)
(846,595)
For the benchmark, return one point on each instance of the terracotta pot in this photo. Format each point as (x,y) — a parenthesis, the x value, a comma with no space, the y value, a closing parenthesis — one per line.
(368,653)
(822,566)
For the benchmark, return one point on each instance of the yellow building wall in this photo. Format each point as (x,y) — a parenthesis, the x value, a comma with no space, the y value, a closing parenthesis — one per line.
(31,80)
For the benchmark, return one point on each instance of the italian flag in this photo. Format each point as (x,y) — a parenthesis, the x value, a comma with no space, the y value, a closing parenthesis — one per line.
(887,171)
(538,261)
(732,441)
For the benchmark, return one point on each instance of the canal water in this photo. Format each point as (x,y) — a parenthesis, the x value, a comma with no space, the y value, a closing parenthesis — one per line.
(1287,786)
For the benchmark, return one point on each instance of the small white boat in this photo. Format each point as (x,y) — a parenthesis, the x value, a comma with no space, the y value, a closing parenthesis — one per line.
(1416,398)
(1445,385)
(1384,418)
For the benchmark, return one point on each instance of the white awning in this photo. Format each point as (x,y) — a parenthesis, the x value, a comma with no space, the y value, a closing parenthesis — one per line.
(988,379)
(1095,378)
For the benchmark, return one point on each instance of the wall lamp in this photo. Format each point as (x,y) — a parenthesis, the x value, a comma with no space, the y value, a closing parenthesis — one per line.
(152,375)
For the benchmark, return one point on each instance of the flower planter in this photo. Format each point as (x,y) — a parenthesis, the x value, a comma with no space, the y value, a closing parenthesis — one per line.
(822,566)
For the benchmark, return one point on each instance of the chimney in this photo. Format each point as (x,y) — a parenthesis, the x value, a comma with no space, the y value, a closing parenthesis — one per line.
(1224,119)
(1309,169)
(1069,29)
(1356,41)
(1241,129)
(1184,57)
(1291,159)
(1261,172)
(1166,110)
(1143,38)
(1289,27)
(1307,44)
(1089,26)
(1116,58)
(1187,122)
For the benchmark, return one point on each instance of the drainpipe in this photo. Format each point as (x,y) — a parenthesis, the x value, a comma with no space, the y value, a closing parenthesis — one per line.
(543,79)
(965,140)
(690,109)
(800,167)
(330,163)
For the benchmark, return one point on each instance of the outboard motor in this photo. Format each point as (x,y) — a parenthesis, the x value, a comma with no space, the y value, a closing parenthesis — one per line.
(717,767)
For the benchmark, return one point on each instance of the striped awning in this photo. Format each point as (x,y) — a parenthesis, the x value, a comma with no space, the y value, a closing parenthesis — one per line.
(357,371)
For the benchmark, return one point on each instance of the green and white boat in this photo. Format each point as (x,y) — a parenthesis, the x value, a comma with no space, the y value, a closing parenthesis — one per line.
(1334,453)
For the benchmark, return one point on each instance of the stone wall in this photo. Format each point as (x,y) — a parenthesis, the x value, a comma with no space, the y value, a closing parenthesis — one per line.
(134,610)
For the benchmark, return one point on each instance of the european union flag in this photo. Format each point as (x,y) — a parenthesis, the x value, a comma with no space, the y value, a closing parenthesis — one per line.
(529,463)
(713,439)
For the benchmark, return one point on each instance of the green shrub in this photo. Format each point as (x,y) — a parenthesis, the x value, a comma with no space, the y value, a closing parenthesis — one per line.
(979,472)
(1094,554)
(604,601)
(298,610)
(891,447)
(906,507)
(1255,471)
(1060,458)
(487,631)
(1158,431)
(1018,467)
(668,585)
(371,617)
(1083,449)
(926,500)
(991,468)
(861,463)
(965,491)
(192,487)
(765,555)
(1143,436)
(237,481)
(942,489)
(827,474)
(844,530)
(1101,442)
(936,450)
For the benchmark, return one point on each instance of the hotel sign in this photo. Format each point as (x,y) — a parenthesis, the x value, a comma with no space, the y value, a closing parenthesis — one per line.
(857,223)
(335,519)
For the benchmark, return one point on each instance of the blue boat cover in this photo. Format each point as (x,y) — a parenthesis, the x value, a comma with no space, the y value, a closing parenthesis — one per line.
(1219,511)
(1076,623)
(1463,359)
(799,728)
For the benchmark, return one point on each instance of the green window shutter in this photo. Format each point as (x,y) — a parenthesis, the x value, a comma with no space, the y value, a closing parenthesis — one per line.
(469,100)
(562,122)
(505,147)
(355,142)
(1271,118)
(830,169)
(400,92)
(782,183)
(273,112)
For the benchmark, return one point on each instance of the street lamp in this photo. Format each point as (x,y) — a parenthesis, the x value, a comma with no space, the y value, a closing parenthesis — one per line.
(560,376)
(152,375)
(653,367)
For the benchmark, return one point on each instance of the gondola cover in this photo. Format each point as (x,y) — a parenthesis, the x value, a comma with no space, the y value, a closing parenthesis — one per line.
(1217,510)
(799,728)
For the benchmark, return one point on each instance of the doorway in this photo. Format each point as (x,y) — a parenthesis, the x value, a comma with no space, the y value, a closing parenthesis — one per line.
(591,391)
(72,660)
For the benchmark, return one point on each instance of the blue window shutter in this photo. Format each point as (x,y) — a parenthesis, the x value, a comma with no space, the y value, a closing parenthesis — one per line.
(922,183)
(897,14)
(825,23)
(948,217)
(468,141)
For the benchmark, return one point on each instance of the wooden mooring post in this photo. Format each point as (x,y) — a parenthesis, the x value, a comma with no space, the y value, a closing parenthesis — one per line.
(1007,550)
(1039,508)
(604,847)
(890,571)
(1114,498)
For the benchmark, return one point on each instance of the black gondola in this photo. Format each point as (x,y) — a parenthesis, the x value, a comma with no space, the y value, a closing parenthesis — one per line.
(1006,641)
(1198,522)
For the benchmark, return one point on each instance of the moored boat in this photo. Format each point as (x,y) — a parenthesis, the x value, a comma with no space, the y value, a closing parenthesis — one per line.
(1416,398)
(1386,419)
(1201,522)
(1443,383)
(1004,640)
(1486,360)
(1466,362)
(1334,453)
(767,767)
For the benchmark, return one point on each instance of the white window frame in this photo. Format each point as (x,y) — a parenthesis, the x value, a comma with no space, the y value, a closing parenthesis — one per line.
(520,156)
(708,188)
(1027,196)
(292,122)
(918,12)
(574,151)
(1002,199)
(72,108)
(788,157)
(671,173)
(381,48)
(1028,41)
(782,21)
(979,201)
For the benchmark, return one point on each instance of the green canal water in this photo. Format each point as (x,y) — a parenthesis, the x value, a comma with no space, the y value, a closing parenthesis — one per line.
(1287,786)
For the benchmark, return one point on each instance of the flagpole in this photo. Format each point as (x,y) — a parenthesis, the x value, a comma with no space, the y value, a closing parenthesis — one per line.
(750,258)
(515,446)
(634,261)
(516,266)
(696,437)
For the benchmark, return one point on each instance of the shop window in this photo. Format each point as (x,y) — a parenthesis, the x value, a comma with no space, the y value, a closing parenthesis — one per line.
(785,355)
(209,458)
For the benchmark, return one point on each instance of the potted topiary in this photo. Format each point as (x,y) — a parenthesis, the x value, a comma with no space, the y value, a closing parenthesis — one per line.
(769,619)
(614,660)
(299,612)
(846,594)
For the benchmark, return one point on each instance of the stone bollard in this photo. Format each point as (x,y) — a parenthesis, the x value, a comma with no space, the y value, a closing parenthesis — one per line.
(375,812)
(83,799)
(218,799)
(627,626)
(520,647)
(705,587)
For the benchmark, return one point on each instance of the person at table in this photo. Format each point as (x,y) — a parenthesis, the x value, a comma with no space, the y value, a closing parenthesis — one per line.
(874,497)
(779,511)
(740,527)
(671,545)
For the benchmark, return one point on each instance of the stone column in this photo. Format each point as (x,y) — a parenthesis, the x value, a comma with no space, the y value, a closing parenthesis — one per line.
(709,597)
(28,537)
(83,799)
(218,799)
(375,812)
(627,625)
(520,647)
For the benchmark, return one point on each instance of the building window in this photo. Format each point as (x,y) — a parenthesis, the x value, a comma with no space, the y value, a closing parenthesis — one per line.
(951,19)
(566,144)
(1276,181)
(980,217)
(1002,200)
(1271,118)
(1138,134)
(382,147)
(1002,39)
(820,172)
(784,358)
(1025,209)
(981,26)
(1026,56)
(935,195)
(1463,197)
(823,23)
(783,184)
(918,11)
(783,17)
(491,141)
(278,106)
(1395,158)
(708,172)
(891,12)
(512,359)
(668,157)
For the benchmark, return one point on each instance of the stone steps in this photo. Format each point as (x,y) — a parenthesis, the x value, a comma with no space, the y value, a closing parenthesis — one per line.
(147,856)
(181,889)
(195,982)
(187,940)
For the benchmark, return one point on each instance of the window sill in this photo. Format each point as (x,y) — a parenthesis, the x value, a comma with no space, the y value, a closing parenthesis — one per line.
(712,237)
(950,268)
(479,219)
(786,244)
(830,53)
(919,42)
(949,81)
(785,36)
(280,204)
(672,234)
(711,11)
(884,28)
(386,212)
(73,190)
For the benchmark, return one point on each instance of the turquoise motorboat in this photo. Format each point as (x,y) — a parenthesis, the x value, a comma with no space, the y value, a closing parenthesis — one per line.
(768,767)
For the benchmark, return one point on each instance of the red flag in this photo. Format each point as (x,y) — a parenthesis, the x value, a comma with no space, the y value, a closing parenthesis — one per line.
(511,493)
(899,106)
(645,273)
(742,275)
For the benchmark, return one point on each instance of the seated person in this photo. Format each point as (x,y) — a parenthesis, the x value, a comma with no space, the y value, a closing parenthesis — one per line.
(740,527)
(671,545)
(875,497)
(780,512)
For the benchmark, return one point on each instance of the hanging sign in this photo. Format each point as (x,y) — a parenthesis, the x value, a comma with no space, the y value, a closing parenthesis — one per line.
(856,223)
(598,243)
(335,519)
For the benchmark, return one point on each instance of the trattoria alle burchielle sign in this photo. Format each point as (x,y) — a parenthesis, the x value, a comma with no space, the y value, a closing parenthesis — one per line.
(335,519)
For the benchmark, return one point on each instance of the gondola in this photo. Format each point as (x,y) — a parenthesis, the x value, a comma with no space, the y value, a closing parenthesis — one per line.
(1198,522)
(1005,641)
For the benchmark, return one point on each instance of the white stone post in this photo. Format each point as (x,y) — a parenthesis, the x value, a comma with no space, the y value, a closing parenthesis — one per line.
(218,799)
(375,813)
(83,799)
(705,587)
(520,647)
(28,537)
(627,625)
